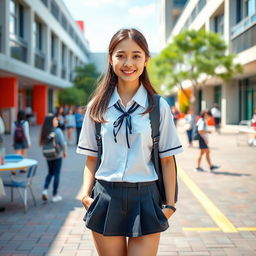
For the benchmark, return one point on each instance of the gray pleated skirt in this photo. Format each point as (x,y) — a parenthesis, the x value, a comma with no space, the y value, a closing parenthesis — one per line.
(125,209)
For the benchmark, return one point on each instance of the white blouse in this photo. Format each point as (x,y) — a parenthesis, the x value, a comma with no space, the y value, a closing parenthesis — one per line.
(120,163)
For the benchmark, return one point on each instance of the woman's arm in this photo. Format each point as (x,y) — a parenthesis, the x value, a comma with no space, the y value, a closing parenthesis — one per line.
(88,180)
(169,177)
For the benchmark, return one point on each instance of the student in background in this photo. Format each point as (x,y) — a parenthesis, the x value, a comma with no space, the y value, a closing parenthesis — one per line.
(79,116)
(215,111)
(70,124)
(50,128)
(204,141)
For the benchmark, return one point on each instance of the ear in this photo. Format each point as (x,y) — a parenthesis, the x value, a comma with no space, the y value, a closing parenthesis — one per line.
(146,61)
(110,60)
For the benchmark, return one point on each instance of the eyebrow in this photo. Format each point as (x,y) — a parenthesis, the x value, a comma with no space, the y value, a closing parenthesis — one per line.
(132,52)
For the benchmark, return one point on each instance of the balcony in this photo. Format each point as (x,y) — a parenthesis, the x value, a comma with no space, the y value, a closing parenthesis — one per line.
(54,67)
(243,25)
(18,48)
(39,60)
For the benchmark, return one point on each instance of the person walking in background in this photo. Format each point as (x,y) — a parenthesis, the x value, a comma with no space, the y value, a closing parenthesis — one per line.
(79,116)
(215,111)
(52,139)
(175,113)
(190,121)
(70,124)
(125,201)
(203,132)
(21,137)
(60,114)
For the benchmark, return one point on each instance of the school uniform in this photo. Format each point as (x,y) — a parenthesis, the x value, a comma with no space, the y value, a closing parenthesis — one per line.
(202,126)
(126,199)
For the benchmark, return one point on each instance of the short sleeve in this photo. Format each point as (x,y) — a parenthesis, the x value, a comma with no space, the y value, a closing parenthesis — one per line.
(169,143)
(87,144)
(200,125)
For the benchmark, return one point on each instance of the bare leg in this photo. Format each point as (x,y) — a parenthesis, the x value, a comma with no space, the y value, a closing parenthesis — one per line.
(199,158)
(207,152)
(143,245)
(110,245)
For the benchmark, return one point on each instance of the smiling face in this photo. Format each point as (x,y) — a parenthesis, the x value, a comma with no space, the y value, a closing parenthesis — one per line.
(128,61)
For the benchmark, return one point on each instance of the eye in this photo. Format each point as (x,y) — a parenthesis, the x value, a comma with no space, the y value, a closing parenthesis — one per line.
(136,56)
(119,56)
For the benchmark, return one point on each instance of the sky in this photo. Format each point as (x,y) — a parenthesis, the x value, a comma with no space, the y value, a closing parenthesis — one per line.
(103,18)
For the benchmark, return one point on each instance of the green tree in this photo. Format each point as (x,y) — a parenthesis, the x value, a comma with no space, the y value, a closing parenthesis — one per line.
(86,79)
(72,96)
(194,57)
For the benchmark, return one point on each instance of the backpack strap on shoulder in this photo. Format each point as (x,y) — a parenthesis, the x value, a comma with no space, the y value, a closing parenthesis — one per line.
(154,117)
(99,144)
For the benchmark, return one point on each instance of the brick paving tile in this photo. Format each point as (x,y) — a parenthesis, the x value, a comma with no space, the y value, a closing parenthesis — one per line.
(57,229)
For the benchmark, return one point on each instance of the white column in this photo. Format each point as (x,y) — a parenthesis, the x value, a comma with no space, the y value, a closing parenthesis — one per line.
(227,22)
(29,30)
(58,51)
(5,20)
(47,48)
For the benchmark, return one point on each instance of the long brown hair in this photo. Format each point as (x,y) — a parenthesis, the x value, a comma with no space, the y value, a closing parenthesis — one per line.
(107,83)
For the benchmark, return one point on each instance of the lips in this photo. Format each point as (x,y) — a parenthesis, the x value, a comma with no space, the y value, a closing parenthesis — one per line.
(128,72)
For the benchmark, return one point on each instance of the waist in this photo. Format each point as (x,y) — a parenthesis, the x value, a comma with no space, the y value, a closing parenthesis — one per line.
(125,184)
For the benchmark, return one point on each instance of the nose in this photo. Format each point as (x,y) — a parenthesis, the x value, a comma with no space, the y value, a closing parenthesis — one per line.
(128,62)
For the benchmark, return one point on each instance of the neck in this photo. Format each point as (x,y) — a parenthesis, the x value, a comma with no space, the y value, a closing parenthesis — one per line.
(127,90)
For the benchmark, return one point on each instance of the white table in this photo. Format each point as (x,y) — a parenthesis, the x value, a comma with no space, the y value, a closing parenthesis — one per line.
(12,166)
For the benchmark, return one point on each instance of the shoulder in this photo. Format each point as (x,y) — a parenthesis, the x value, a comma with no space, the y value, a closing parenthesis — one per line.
(163,104)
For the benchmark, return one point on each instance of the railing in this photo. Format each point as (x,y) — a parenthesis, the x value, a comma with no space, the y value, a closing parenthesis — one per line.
(54,67)
(39,60)
(18,49)
(63,73)
(243,25)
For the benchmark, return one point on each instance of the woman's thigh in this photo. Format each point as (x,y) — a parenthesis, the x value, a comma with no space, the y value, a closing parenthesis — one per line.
(143,245)
(110,245)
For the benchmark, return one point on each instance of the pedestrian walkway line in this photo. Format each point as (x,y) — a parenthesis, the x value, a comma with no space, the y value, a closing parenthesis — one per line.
(218,217)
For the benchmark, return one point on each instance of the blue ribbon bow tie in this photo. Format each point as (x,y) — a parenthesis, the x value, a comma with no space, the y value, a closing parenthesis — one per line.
(119,121)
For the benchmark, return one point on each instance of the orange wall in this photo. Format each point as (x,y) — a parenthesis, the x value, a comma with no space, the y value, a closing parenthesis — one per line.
(8,92)
(40,99)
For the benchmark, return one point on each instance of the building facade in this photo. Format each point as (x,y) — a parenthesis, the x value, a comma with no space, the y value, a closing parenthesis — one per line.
(235,20)
(40,46)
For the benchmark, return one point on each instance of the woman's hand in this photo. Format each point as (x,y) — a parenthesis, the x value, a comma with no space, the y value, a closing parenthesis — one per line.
(87,201)
(167,212)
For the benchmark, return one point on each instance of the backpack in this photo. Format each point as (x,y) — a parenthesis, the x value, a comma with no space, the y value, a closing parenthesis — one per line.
(19,133)
(154,117)
(50,148)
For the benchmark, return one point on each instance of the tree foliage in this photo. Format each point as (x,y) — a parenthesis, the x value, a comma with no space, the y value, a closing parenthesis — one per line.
(194,57)
(72,96)
(84,85)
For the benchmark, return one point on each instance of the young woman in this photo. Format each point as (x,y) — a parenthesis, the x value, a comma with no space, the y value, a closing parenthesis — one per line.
(70,124)
(204,141)
(60,114)
(125,199)
(190,120)
(50,128)
(21,137)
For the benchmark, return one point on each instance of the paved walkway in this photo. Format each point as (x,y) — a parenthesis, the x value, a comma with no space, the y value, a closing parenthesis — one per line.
(216,211)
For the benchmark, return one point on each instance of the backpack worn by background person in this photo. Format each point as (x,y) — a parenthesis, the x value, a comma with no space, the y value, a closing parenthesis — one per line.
(50,148)
(154,117)
(19,133)
(196,134)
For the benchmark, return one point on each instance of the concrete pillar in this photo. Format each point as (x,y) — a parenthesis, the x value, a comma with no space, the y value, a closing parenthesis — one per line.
(29,30)
(227,22)
(40,102)
(4,22)
(8,100)
(47,48)
(58,51)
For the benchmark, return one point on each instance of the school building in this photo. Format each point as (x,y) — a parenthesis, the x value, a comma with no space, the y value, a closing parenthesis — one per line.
(235,20)
(40,46)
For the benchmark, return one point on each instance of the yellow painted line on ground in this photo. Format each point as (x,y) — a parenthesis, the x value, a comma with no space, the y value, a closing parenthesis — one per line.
(247,229)
(218,217)
(201,229)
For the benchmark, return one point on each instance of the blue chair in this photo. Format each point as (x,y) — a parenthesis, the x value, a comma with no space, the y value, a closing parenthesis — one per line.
(12,158)
(24,185)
